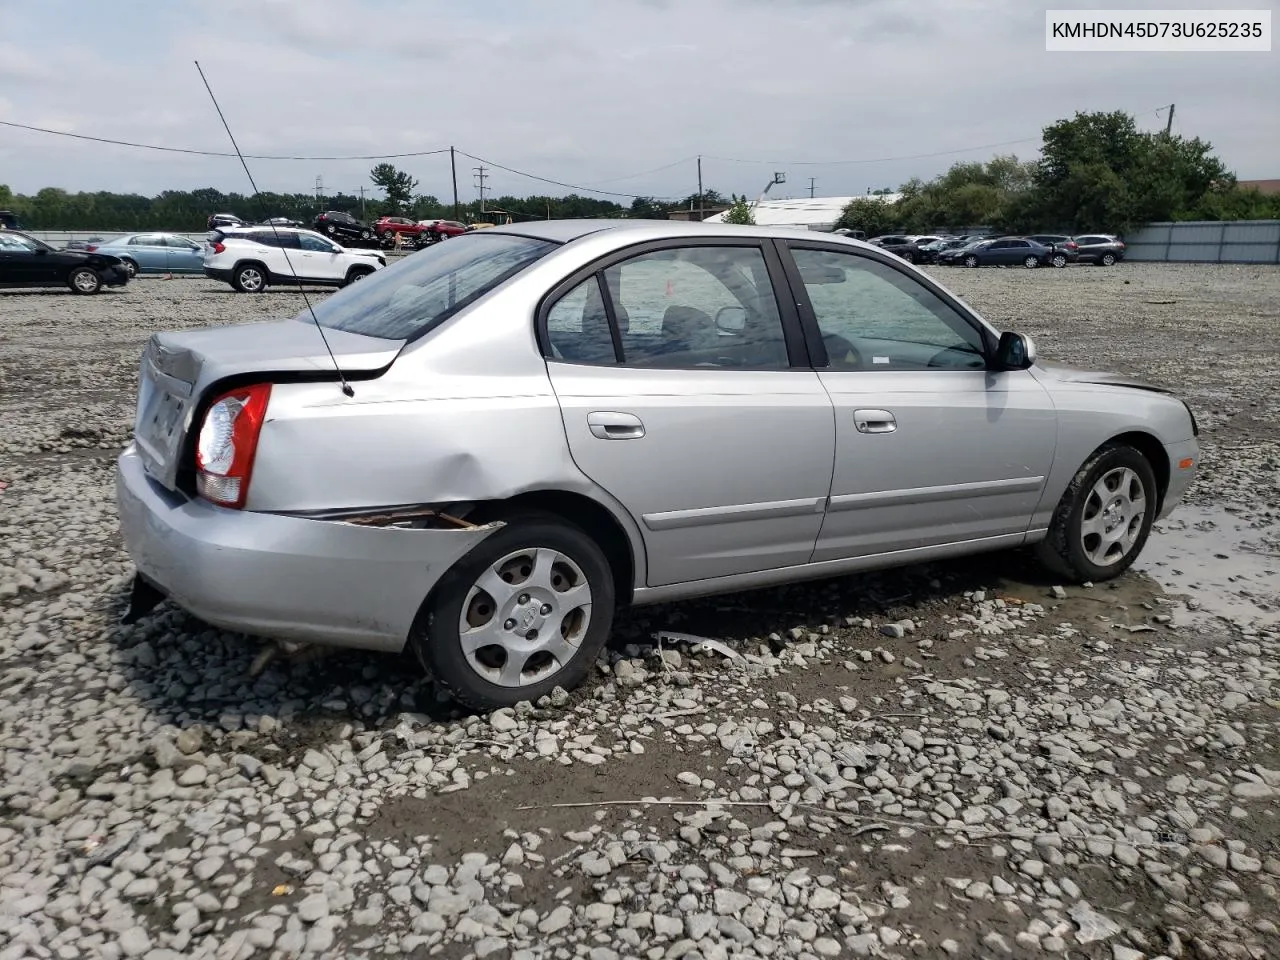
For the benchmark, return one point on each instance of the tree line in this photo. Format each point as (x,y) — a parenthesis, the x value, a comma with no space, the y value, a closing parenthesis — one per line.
(1096,173)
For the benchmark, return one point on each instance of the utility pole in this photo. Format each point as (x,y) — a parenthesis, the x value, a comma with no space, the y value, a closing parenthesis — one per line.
(362,216)
(319,188)
(453,165)
(480,178)
(1168,126)
(702,212)
(548,208)
(811,181)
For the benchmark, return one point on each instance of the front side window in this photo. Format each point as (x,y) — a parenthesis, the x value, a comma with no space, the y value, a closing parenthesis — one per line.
(180,243)
(873,317)
(421,292)
(315,244)
(147,240)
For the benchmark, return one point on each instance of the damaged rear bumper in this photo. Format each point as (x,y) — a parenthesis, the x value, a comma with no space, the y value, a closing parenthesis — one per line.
(334,582)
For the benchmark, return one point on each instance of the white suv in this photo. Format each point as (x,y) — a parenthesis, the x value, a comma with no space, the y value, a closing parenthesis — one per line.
(252,258)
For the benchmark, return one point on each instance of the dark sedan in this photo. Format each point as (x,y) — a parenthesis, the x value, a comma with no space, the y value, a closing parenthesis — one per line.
(1102,249)
(1009,252)
(1058,242)
(28,262)
(931,252)
(903,247)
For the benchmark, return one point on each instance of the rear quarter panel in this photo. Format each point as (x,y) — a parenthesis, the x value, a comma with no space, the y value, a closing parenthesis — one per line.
(465,413)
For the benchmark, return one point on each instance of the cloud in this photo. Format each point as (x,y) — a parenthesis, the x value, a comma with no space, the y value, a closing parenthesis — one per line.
(583,91)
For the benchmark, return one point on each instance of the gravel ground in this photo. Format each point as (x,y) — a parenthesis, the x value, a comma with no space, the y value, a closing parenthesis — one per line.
(960,760)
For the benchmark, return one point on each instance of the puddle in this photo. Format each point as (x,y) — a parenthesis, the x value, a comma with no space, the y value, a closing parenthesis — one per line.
(1228,562)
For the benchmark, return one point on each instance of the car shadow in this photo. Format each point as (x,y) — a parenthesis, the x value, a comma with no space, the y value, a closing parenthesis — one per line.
(60,292)
(187,673)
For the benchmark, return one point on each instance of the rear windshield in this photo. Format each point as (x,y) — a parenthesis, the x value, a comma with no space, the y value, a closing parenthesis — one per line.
(426,288)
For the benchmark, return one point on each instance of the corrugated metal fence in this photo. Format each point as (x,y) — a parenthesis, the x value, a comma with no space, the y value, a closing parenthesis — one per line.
(1206,241)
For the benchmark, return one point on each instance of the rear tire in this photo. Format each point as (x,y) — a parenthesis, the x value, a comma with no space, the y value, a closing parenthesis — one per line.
(1031,262)
(542,559)
(971,262)
(249,278)
(331,230)
(84,281)
(1059,261)
(1100,525)
(1107,260)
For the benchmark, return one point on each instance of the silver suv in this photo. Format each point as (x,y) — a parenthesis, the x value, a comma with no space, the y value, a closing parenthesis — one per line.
(521,430)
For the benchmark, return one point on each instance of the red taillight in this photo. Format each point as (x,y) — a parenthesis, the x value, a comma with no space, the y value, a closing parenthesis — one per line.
(91,247)
(227,443)
(219,247)
(1072,245)
(1120,245)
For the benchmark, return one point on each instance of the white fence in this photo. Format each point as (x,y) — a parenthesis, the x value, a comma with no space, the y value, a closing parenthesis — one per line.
(1206,241)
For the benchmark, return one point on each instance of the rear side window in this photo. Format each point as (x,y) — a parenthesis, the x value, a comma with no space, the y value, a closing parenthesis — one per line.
(422,291)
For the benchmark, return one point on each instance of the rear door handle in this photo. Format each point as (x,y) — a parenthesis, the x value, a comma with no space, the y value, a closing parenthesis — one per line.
(874,421)
(609,425)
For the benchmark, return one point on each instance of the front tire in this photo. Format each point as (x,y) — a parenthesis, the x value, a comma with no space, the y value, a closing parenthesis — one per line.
(1104,518)
(84,281)
(331,230)
(130,268)
(526,611)
(356,273)
(364,234)
(249,278)
(1059,261)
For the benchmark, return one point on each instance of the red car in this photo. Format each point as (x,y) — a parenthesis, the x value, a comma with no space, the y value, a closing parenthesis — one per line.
(442,229)
(386,227)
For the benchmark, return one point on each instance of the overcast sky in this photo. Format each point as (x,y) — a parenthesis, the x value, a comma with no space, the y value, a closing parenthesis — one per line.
(588,92)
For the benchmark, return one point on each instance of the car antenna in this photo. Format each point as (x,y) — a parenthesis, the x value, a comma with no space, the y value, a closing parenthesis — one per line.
(346,386)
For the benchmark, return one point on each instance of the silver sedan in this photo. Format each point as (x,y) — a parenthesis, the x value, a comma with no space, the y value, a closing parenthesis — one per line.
(488,448)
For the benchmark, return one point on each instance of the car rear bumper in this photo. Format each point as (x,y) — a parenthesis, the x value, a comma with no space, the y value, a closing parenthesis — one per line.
(218,273)
(1180,477)
(315,581)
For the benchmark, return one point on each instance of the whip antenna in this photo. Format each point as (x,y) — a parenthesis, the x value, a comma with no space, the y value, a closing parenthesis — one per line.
(346,387)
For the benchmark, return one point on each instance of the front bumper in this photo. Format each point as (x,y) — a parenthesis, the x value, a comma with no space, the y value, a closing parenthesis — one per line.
(114,276)
(315,581)
(1180,477)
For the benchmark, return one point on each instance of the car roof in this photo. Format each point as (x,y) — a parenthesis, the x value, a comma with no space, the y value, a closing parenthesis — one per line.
(565,231)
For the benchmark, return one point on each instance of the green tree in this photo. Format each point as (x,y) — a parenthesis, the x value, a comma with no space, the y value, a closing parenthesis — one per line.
(1099,172)
(872,217)
(740,213)
(397,185)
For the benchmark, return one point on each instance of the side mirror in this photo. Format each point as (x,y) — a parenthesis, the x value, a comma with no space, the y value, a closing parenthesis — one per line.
(1015,352)
(731,319)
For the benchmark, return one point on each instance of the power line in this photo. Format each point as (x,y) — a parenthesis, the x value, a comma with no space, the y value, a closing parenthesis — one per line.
(558,183)
(214,153)
(645,173)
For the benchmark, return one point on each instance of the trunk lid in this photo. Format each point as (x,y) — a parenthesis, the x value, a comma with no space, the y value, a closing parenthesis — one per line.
(178,368)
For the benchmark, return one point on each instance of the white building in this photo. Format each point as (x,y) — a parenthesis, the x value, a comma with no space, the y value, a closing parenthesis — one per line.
(806,213)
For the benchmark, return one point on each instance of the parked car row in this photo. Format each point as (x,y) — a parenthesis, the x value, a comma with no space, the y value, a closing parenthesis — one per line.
(250,258)
(1030,251)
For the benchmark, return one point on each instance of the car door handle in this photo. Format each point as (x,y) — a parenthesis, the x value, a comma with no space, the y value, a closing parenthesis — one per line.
(608,425)
(874,421)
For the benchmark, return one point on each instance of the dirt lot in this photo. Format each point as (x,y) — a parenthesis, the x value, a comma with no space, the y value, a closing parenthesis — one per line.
(1020,774)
